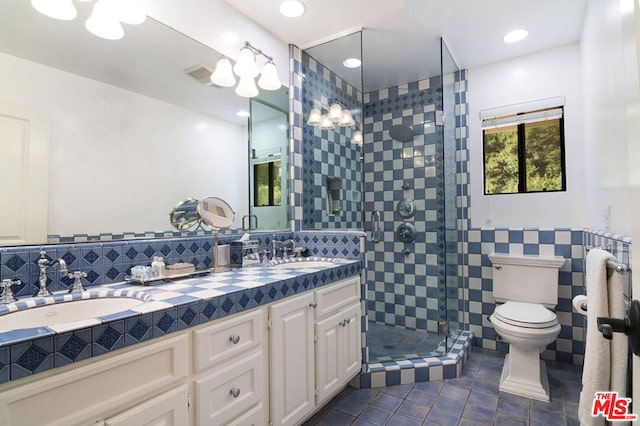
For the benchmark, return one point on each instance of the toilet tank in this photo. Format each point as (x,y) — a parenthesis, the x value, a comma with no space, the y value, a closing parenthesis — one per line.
(526,278)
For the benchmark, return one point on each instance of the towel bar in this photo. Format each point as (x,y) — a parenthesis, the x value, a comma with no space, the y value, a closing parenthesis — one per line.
(621,268)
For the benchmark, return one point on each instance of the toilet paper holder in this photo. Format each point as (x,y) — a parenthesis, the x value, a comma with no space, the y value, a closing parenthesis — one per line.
(629,326)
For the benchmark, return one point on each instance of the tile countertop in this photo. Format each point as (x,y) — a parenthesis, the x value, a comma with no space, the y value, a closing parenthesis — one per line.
(168,306)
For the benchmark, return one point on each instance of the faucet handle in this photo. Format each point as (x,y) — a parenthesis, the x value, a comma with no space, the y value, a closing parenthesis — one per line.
(7,295)
(77,283)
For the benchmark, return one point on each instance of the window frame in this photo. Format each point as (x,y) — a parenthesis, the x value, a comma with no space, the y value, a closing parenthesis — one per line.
(271,175)
(522,167)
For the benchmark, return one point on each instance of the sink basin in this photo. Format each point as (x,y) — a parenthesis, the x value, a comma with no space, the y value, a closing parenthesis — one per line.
(66,312)
(299,264)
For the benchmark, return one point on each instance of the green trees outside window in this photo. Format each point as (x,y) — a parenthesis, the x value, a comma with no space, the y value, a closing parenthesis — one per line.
(267,187)
(524,157)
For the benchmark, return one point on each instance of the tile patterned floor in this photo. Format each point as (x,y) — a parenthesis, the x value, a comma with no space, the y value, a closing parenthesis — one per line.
(473,399)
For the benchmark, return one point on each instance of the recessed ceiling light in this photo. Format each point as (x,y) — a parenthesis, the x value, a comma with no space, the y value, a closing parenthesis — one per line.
(292,8)
(515,36)
(243,114)
(352,62)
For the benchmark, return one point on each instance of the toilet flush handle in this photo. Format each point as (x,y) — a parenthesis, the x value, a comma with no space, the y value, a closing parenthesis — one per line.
(629,326)
(498,267)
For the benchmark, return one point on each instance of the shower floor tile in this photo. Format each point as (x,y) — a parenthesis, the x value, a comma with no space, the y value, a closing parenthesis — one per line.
(389,343)
(473,399)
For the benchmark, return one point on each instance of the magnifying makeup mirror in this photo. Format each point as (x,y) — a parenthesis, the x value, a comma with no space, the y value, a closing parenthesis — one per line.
(184,216)
(216,214)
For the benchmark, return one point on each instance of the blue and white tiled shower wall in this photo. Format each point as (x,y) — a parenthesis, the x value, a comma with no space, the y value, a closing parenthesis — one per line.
(330,153)
(406,281)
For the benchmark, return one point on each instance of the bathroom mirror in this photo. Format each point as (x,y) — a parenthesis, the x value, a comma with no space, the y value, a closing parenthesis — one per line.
(184,216)
(133,124)
(215,213)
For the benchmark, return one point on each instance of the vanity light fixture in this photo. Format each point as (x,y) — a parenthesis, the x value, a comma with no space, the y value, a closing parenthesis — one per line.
(336,114)
(357,137)
(56,9)
(106,17)
(247,70)
(515,36)
(292,8)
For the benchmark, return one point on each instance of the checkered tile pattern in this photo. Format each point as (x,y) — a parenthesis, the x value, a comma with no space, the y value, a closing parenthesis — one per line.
(329,153)
(405,289)
(296,121)
(569,347)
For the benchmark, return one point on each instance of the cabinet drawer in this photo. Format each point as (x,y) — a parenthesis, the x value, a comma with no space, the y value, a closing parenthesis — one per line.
(84,394)
(229,392)
(167,409)
(334,296)
(253,417)
(228,338)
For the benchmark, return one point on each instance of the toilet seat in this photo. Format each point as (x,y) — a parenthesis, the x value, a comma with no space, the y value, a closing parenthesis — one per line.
(526,315)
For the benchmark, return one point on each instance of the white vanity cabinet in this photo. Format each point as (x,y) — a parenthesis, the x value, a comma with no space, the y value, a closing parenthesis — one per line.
(230,368)
(315,348)
(87,394)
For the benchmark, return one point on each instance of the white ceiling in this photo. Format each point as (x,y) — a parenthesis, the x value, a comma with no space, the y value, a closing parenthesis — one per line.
(401,38)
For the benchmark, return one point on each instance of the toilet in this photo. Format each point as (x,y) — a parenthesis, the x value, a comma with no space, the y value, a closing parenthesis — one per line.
(526,290)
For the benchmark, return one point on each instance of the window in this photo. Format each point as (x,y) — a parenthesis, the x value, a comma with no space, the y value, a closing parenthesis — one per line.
(524,152)
(266,184)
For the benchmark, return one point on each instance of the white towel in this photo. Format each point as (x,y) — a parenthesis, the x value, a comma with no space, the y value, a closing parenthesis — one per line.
(619,343)
(596,372)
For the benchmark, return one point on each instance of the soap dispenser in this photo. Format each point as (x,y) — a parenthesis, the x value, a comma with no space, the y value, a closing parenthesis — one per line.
(158,267)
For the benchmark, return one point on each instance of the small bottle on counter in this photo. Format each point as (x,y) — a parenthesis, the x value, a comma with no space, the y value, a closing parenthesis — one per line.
(158,267)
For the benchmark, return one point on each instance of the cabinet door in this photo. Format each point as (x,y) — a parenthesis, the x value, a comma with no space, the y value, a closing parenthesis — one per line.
(352,338)
(292,367)
(167,409)
(329,336)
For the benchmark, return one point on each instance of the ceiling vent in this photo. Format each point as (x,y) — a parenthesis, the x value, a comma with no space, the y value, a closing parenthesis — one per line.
(202,73)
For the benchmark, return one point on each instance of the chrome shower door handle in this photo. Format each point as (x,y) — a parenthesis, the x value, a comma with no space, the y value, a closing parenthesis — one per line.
(375,226)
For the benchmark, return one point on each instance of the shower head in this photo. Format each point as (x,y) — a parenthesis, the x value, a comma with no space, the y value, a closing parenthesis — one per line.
(401,133)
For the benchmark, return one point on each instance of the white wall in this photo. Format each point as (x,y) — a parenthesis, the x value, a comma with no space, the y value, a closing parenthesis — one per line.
(612,119)
(546,74)
(120,161)
(217,24)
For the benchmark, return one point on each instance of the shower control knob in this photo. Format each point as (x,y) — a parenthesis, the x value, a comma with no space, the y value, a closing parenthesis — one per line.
(629,326)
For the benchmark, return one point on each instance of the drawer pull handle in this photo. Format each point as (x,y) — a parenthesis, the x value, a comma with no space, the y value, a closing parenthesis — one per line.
(234,338)
(235,392)
(313,305)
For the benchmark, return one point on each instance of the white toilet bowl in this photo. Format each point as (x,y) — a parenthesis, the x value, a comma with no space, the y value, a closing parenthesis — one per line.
(528,328)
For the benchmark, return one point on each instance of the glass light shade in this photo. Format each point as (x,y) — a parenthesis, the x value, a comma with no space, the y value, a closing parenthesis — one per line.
(246,64)
(57,9)
(223,74)
(131,11)
(347,119)
(247,87)
(269,79)
(326,123)
(292,8)
(335,113)
(315,116)
(104,22)
(357,137)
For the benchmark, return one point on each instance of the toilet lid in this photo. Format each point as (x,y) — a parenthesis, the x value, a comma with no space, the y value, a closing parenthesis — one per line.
(530,315)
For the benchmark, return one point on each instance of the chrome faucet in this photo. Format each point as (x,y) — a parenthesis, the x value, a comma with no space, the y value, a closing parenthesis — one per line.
(43,263)
(275,244)
(7,294)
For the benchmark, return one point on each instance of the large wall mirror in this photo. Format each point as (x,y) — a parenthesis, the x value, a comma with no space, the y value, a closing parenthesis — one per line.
(124,129)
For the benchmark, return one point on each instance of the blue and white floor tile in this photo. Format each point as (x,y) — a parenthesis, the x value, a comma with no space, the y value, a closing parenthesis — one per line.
(473,399)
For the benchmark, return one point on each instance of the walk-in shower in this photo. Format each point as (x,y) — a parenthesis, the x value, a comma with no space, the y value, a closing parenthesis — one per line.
(399,185)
